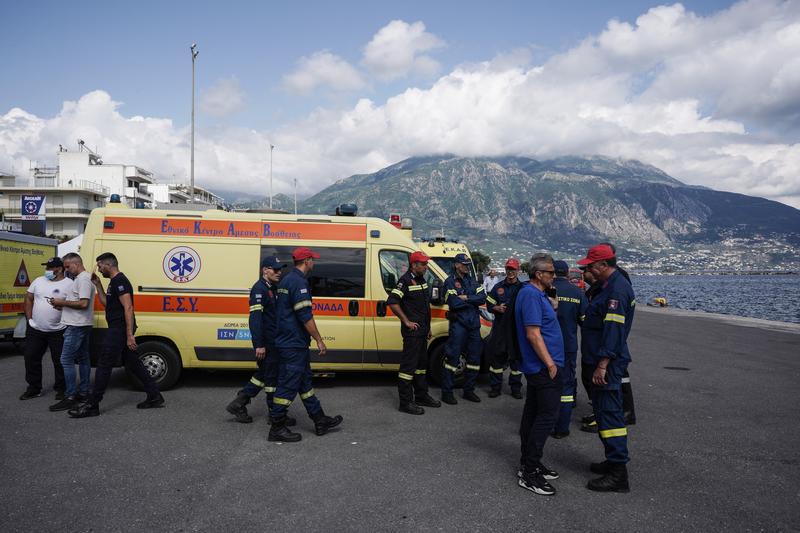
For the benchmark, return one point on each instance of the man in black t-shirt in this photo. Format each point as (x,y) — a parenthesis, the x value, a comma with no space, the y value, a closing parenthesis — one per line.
(119,341)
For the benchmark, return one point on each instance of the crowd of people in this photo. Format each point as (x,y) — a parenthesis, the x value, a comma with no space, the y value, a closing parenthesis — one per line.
(534,334)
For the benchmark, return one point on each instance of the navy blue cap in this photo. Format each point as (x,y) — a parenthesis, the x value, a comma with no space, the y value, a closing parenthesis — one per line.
(561,268)
(463,259)
(272,262)
(53,262)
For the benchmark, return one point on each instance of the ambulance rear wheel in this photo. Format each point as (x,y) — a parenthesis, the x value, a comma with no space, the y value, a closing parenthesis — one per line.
(161,361)
(437,361)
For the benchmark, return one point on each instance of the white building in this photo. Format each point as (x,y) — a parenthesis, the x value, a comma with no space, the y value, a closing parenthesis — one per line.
(174,194)
(128,181)
(68,202)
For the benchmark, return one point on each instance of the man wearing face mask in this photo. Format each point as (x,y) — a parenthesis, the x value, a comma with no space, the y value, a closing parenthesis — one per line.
(44,328)
(119,342)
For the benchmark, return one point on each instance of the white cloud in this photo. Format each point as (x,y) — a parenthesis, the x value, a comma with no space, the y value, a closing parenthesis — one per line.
(323,69)
(223,98)
(671,90)
(398,49)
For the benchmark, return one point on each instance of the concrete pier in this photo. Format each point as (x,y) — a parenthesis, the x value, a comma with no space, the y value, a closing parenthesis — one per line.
(716,448)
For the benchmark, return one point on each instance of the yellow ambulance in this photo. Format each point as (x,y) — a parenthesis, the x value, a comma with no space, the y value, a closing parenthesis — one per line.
(21,258)
(192,271)
(443,251)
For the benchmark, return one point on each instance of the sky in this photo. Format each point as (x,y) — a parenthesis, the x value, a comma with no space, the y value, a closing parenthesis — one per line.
(707,91)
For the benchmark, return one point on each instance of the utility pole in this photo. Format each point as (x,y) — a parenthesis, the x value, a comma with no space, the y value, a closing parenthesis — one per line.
(271,148)
(193,50)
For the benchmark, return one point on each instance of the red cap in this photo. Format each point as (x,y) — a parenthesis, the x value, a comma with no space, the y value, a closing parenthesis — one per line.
(600,252)
(418,257)
(512,263)
(304,253)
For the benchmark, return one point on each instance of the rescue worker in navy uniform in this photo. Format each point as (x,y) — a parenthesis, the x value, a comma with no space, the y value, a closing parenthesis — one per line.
(296,327)
(464,296)
(496,301)
(410,302)
(263,326)
(589,423)
(571,308)
(607,323)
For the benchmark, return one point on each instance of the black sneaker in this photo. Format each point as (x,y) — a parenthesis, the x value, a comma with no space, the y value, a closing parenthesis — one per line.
(543,470)
(588,418)
(27,395)
(151,403)
(60,395)
(517,394)
(470,396)
(65,404)
(558,435)
(494,393)
(590,427)
(84,410)
(535,482)
(449,399)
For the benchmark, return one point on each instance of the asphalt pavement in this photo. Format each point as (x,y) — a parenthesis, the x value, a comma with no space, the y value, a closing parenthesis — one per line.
(715,449)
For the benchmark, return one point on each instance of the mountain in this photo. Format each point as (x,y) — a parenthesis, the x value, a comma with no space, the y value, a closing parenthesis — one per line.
(565,204)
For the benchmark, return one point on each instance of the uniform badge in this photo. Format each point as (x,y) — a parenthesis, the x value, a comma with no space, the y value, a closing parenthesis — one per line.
(303,291)
(258,297)
(613,304)
(458,284)
(500,291)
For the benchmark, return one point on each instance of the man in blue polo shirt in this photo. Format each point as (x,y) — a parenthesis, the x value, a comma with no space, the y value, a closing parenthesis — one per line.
(542,350)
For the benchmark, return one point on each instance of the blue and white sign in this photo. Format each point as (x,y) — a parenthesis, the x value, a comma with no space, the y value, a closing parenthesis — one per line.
(181,264)
(33,207)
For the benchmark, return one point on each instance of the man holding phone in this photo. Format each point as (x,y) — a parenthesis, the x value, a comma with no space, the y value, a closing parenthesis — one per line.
(542,350)
(44,328)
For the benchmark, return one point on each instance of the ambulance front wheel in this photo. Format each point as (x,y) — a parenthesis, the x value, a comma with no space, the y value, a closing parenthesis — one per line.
(437,367)
(161,361)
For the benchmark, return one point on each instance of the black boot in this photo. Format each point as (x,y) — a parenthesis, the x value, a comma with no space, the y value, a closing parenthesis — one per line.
(516,393)
(324,423)
(616,480)
(494,393)
(600,468)
(237,408)
(448,398)
(471,396)
(411,408)
(426,400)
(290,421)
(278,432)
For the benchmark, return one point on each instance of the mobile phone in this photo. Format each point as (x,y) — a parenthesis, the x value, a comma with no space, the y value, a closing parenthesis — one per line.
(551,292)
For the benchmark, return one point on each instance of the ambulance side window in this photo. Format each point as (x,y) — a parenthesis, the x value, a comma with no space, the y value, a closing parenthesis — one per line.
(394,264)
(338,273)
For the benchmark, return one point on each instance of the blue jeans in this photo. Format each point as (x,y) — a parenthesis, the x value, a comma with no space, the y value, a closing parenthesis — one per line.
(76,352)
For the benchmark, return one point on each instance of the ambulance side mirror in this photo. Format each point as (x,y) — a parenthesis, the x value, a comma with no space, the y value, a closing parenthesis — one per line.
(437,294)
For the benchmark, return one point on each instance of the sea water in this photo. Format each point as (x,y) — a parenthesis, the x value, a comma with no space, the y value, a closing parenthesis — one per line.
(770,297)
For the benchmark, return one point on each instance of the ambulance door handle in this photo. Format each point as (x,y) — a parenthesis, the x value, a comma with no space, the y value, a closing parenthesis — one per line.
(380,309)
(352,307)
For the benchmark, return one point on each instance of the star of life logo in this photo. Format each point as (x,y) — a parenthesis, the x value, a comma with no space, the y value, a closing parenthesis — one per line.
(181,264)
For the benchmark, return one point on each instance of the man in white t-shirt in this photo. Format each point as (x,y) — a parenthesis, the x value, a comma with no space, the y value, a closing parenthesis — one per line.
(490,281)
(78,316)
(44,328)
